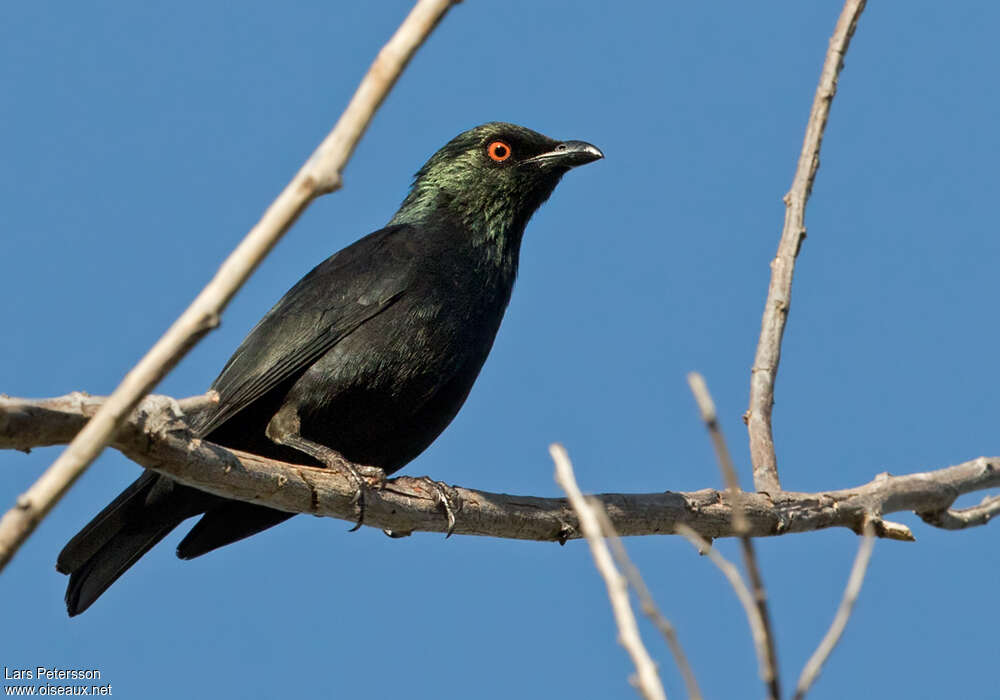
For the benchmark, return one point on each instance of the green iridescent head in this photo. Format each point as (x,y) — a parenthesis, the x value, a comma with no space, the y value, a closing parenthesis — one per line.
(493,177)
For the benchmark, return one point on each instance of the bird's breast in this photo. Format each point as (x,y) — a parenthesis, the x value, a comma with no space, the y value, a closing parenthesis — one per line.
(397,381)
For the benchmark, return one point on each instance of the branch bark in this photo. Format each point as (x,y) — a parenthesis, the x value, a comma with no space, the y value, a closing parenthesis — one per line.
(779,292)
(156,437)
(321,174)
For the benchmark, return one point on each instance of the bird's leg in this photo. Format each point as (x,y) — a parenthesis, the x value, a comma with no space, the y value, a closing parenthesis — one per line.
(284,428)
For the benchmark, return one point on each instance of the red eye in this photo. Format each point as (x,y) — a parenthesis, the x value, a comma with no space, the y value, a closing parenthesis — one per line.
(498,151)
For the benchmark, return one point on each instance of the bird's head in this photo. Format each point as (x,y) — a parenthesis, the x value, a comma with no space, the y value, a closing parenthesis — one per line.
(492,178)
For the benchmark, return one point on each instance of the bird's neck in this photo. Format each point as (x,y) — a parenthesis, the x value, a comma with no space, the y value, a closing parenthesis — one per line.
(491,233)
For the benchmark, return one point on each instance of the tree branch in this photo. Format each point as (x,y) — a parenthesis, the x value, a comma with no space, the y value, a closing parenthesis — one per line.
(154,437)
(779,293)
(706,406)
(857,577)
(647,604)
(758,630)
(647,679)
(966,517)
(321,174)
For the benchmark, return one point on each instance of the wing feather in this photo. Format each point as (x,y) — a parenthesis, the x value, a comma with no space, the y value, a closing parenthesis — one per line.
(337,297)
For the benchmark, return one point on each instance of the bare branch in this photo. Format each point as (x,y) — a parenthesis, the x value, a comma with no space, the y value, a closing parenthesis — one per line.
(156,439)
(321,174)
(647,680)
(706,406)
(769,667)
(646,602)
(779,293)
(197,404)
(812,668)
(966,517)
(757,630)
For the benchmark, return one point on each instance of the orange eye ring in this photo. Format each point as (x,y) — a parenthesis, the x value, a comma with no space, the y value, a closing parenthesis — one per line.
(499,151)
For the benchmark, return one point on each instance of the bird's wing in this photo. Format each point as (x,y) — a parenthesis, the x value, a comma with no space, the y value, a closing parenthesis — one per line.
(328,304)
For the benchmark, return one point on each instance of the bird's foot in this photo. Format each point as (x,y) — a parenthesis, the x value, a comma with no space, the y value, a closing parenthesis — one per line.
(283,429)
(374,474)
(447,498)
(359,474)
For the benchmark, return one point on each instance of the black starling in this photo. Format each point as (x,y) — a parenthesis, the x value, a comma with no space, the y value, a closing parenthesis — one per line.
(367,359)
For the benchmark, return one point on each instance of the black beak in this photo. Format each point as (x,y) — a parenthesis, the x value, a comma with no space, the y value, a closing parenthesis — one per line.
(568,154)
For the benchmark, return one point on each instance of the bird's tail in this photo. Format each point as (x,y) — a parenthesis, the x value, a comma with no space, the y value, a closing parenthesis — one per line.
(142,515)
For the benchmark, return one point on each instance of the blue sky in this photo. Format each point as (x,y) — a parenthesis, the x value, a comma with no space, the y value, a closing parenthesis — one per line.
(140,142)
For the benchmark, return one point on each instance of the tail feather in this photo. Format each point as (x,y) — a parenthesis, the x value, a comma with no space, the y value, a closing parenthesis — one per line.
(142,515)
(88,582)
(105,525)
(226,524)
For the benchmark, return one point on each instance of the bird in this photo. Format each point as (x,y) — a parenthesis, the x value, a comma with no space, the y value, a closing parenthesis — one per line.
(363,362)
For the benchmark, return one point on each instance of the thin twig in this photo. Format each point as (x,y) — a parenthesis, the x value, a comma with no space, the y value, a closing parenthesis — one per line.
(961,518)
(647,680)
(779,293)
(769,667)
(812,668)
(769,672)
(732,574)
(646,602)
(321,174)
(706,407)
(196,404)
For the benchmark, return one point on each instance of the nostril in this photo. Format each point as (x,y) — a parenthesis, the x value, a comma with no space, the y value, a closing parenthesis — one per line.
(561,147)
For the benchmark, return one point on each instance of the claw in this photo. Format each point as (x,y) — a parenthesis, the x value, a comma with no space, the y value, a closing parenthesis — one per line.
(359,498)
(361,516)
(359,474)
(442,497)
(445,501)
